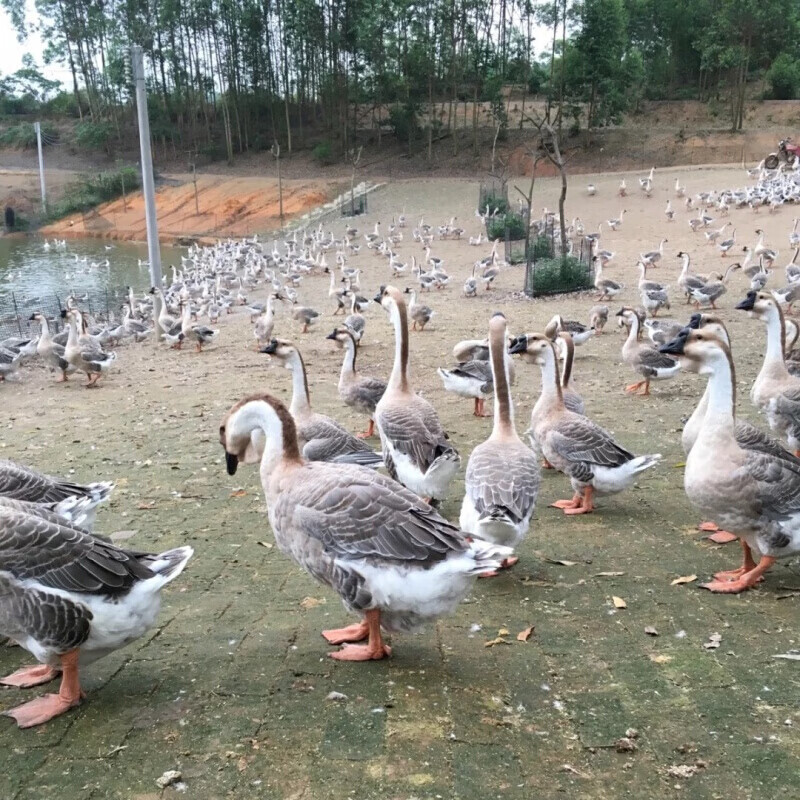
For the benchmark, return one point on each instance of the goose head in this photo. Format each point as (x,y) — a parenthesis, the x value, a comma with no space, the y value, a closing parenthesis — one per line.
(532,346)
(340,336)
(759,305)
(242,430)
(700,350)
(283,350)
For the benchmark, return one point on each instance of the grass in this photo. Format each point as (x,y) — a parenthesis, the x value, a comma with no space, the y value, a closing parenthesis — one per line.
(556,275)
(90,191)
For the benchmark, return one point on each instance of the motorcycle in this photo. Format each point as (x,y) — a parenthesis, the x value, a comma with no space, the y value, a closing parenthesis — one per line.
(787,152)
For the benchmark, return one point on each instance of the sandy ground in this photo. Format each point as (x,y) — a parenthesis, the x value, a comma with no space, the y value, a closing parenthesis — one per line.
(233,206)
(231,687)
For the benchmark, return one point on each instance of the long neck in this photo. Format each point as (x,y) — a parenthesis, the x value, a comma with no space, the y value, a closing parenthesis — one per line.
(721,398)
(569,355)
(268,310)
(551,385)
(279,445)
(776,338)
(73,332)
(503,409)
(349,363)
(633,333)
(44,336)
(301,402)
(399,377)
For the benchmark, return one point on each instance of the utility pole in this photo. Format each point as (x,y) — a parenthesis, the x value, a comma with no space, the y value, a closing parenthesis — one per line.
(148,182)
(38,127)
(276,152)
(194,180)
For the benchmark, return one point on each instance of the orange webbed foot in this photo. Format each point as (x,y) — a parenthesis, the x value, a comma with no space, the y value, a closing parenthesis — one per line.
(27,677)
(352,633)
(41,710)
(564,504)
(362,652)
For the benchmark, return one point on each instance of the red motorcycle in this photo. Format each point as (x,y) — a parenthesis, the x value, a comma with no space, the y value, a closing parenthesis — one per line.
(787,152)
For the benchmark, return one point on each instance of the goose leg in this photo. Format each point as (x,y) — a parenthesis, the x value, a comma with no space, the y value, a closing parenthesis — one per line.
(352,633)
(370,431)
(373,650)
(565,504)
(634,387)
(45,708)
(747,581)
(748,565)
(30,676)
(586,505)
(63,378)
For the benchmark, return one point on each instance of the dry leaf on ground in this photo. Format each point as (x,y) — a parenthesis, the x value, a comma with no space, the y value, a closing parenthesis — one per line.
(523,636)
(683,579)
(618,602)
(312,602)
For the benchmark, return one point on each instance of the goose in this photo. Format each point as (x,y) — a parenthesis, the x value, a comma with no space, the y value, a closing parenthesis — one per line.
(70,598)
(488,275)
(200,334)
(792,269)
(623,189)
(775,392)
(337,294)
(708,293)
(360,392)
(753,492)
(680,191)
(471,350)
(687,281)
(265,323)
(669,212)
(591,190)
(75,511)
(786,296)
(87,358)
(572,443)
(653,300)
(573,401)
(616,223)
(647,361)
(794,235)
(761,250)
(416,450)
(355,321)
(390,557)
(18,482)
(305,315)
(607,288)
(579,333)
(645,285)
(661,331)
(502,479)
(10,362)
(648,181)
(727,244)
(469,379)
(478,240)
(321,438)
(598,317)
(420,315)
(712,236)
(747,436)
(654,256)
(471,284)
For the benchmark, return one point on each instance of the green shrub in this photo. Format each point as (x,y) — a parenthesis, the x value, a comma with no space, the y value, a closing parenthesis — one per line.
(496,204)
(555,275)
(496,227)
(323,153)
(93,135)
(784,77)
(23,135)
(541,247)
(403,119)
(92,190)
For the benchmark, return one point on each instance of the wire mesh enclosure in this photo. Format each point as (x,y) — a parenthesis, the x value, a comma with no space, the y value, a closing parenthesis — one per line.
(493,197)
(549,270)
(355,204)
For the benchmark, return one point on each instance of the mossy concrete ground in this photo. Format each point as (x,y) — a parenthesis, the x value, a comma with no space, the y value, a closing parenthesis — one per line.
(231,687)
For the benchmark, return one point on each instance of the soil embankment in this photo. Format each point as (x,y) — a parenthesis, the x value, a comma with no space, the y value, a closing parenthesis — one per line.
(224,206)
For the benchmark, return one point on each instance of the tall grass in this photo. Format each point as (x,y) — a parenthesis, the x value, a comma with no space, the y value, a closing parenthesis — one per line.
(90,191)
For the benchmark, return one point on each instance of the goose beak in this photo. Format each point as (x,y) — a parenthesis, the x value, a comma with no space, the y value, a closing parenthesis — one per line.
(620,313)
(32,316)
(331,335)
(518,345)
(694,322)
(231,462)
(677,345)
(377,298)
(748,304)
(270,349)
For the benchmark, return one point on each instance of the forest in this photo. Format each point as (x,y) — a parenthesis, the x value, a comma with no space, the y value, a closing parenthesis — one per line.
(230,76)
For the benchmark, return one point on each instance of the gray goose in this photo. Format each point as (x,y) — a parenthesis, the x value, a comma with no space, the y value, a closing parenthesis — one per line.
(502,480)
(391,558)
(651,364)
(321,438)
(361,392)
(469,379)
(70,598)
(416,450)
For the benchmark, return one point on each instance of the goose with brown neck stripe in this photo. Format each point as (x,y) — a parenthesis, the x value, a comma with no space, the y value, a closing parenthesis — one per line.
(416,450)
(389,556)
(502,480)
(572,443)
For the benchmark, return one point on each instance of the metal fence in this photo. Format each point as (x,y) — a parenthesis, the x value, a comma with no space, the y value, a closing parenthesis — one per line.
(549,270)
(493,197)
(102,305)
(355,204)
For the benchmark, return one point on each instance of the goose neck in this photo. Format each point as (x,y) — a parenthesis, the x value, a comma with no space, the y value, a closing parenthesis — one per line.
(399,377)
(551,385)
(776,338)
(301,401)
(503,424)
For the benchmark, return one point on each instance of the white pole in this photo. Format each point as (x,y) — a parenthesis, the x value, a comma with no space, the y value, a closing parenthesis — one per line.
(38,127)
(148,183)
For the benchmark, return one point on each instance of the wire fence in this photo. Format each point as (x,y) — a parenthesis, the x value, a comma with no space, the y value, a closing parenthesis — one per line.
(550,270)
(102,305)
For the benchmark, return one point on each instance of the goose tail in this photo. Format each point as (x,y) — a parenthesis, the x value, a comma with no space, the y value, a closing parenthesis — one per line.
(487,556)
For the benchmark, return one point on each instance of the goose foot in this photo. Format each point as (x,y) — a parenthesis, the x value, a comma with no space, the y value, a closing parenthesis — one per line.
(480,408)
(373,650)
(27,677)
(370,431)
(564,504)
(747,580)
(62,379)
(586,505)
(633,388)
(45,708)
(506,563)
(352,633)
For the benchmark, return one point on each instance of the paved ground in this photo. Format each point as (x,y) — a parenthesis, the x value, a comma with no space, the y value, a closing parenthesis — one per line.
(231,688)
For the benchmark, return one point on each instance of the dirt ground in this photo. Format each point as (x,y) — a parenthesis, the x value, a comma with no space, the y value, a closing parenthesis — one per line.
(230,688)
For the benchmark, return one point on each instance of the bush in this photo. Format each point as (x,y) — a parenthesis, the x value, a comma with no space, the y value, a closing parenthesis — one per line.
(555,275)
(92,190)
(496,204)
(93,135)
(23,136)
(496,227)
(323,153)
(541,247)
(784,77)
(403,119)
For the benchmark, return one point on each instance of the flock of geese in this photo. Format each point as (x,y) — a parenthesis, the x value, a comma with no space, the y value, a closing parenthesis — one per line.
(69,595)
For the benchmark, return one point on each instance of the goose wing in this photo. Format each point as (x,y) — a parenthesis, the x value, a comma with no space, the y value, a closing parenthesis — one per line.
(357,514)
(477,370)
(414,429)
(369,390)
(579,439)
(650,358)
(503,477)
(22,483)
(325,439)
